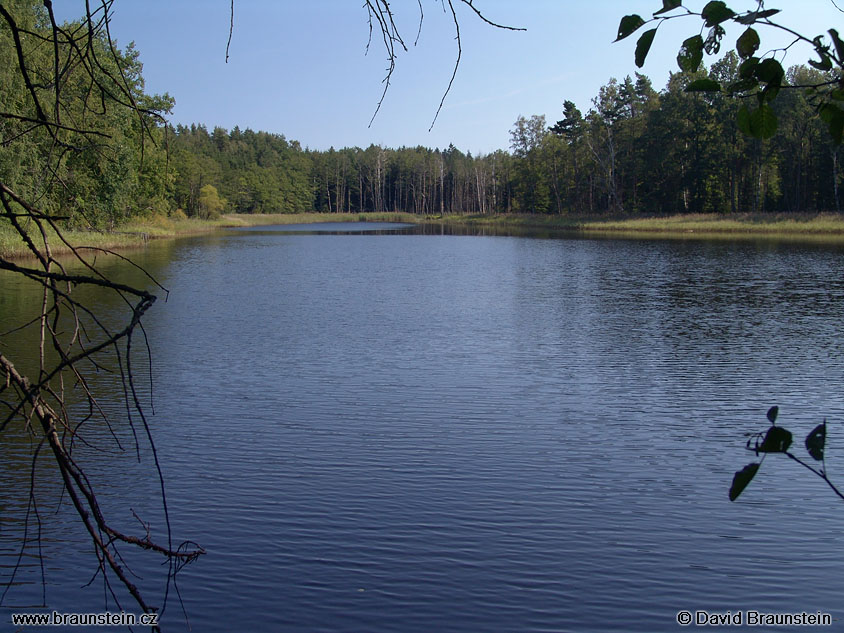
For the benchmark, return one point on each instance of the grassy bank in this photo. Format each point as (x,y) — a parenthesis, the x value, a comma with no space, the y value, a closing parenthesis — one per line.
(136,233)
(795,226)
(234,220)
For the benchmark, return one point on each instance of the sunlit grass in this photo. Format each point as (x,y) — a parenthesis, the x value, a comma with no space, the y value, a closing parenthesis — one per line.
(744,223)
(137,232)
(13,246)
(826,225)
(309,218)
(133,234)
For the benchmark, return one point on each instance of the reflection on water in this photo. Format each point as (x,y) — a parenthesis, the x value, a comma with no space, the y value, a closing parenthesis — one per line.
(401,432)
(332,228)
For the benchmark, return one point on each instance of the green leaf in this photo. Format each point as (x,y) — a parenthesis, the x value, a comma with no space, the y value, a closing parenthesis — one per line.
(704,85)
(628,25)
(833,116)
(839,45)
(828,112)
(716,12)
(777,439)
(748,67)
(742,85)
(669,5)
(770,71)
(748,43)
(643,46)
(691,54)
(755,16)
(743,120)
(825,63)
(741,479)
(836,128)
(768,92)
(773,412)
(815,441)
(712,44)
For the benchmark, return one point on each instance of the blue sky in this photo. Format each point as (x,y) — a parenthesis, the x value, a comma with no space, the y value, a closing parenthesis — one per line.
(298,67)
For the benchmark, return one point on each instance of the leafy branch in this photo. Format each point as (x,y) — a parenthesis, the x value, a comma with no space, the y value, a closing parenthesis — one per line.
(760,76)
(778,440)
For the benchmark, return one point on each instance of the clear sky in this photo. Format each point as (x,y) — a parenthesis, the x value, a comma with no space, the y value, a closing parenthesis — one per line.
(298,67)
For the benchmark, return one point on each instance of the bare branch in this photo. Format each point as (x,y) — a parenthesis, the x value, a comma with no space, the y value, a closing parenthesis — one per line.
(231,30)
(382,14)
(74,338)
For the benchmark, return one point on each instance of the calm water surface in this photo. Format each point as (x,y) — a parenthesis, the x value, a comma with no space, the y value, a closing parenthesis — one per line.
(405,432)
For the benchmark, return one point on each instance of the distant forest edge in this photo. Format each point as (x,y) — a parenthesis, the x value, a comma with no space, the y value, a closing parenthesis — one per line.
(635,151)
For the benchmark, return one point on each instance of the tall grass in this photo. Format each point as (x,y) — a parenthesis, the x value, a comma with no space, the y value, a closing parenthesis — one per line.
(744,223)
(12,246)
(309,218)
(135,233)
(828,225)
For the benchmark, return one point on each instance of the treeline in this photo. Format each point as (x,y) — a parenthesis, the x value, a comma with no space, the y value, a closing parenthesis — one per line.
(640,151)
(258,172)
(636,150)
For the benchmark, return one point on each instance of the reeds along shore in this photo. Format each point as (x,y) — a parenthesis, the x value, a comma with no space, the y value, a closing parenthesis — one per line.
(136,233)
(793,224)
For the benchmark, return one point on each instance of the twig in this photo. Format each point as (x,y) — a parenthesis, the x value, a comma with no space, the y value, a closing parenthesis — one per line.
(819,473)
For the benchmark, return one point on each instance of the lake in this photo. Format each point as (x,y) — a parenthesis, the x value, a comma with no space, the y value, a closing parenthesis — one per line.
(399,430)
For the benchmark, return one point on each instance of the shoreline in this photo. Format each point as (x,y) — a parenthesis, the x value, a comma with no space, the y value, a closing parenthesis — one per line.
(137,233)
(826,224)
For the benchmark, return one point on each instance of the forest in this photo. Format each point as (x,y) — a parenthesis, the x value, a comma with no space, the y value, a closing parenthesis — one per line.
(636,150)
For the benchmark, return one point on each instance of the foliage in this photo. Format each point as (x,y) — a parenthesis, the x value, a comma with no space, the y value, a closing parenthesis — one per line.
(760,75)
(258,172)
(636,150)
(81,147)
(528,140)
(106,154)
(779,440)
(210,203)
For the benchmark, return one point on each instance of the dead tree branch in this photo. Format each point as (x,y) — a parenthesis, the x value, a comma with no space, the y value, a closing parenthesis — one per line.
(82,80)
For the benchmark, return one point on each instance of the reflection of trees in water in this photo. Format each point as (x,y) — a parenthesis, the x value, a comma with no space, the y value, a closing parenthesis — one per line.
(77,100)
(73,91)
